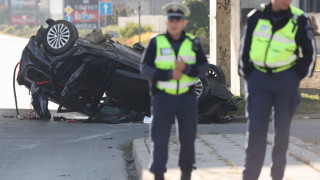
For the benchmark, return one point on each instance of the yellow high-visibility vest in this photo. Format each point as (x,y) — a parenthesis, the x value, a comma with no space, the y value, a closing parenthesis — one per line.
(165,60)
(275,50)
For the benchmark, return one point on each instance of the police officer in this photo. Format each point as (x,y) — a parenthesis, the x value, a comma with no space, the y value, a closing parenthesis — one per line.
(277,51)
(172,61)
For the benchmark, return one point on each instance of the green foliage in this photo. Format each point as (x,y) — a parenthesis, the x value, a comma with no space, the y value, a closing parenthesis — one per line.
(132,29)
(198,21)
(4,15)
(21,31)
(310,103)
(8,30)
(205,44)
(3,26)
(312,97)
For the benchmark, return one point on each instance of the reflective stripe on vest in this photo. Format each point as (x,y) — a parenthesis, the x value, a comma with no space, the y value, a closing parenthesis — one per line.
(165,60)
(275,49)
(174,85)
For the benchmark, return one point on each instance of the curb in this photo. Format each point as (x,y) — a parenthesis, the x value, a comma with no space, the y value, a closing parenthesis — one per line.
(139,148)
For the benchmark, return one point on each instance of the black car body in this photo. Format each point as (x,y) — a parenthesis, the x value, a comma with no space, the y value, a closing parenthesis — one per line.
(85,75)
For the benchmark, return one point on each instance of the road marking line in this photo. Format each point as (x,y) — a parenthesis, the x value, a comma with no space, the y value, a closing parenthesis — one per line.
(92,137)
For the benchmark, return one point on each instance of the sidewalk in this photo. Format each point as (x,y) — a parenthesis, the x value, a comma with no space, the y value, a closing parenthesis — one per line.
(221,156)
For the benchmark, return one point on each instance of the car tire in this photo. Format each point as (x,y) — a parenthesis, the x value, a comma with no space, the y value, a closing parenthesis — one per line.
(60,37)
(217,73)
(201,89)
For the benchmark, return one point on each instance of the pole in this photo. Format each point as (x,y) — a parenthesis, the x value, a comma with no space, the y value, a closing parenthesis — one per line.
(98,14)
(139,9)
(10,12)
(106,17)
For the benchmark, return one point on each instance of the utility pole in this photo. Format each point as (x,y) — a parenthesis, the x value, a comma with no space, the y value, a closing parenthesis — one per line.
(99,14)
(9,13)
(139,10)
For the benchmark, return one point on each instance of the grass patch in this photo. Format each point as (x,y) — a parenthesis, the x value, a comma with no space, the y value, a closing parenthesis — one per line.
(309,104)
(126,147)
(241,108)
(314,142)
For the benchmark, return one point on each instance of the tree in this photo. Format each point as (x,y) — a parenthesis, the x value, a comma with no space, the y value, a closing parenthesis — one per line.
(198,21)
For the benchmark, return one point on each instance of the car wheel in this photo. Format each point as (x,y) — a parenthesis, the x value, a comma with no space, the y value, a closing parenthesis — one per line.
(201,89)
(216,73)
(60,37)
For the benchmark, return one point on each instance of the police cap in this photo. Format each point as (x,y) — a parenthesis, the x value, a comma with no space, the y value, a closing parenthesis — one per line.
(175,10)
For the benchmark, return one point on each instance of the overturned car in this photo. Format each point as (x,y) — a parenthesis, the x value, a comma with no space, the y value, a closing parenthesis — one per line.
(88,74)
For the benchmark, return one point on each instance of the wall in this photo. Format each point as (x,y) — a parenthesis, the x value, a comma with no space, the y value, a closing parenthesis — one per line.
(56,9)
(156,21)
(145,5)
(156,6)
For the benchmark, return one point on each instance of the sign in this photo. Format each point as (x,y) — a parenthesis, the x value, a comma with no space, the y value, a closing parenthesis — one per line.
(105,8)
(85,16)
(68,9)
(82,13)
(69,18)
(24,12)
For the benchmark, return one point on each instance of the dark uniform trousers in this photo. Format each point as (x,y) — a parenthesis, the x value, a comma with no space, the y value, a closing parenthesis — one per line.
(278,90)
(164,109)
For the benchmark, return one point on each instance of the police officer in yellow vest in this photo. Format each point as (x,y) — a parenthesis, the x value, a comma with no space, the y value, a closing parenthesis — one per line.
(172,61)
(277,51)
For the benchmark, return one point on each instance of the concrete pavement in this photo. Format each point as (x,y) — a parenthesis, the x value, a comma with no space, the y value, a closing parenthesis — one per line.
(221,156)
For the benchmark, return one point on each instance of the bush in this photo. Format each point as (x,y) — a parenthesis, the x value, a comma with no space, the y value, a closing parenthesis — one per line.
(205,44)
(132,29)
(145,38)
(21,31)
(198,21)
(3,26)
(4,15)
(8,30)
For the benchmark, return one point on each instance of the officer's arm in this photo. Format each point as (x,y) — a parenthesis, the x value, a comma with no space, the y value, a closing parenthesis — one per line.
(245,67)
(305,39)
(147,66)
(201,66)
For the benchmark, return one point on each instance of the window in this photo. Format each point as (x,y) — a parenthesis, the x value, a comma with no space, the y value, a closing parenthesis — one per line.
(310,5)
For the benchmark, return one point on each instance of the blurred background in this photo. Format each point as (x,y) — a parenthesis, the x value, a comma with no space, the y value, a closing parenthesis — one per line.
(23,17)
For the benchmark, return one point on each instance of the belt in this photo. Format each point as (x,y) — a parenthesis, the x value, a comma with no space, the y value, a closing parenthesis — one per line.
(273,70)
(163,91)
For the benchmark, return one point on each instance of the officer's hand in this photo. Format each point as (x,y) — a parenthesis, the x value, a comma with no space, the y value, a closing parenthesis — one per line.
(180,65)
(176,75)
